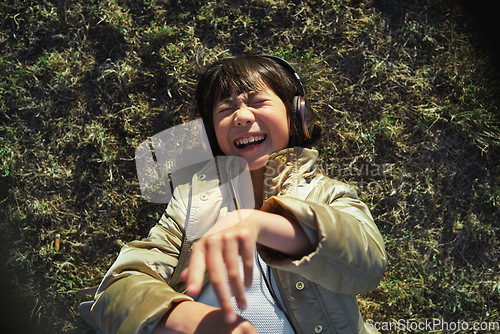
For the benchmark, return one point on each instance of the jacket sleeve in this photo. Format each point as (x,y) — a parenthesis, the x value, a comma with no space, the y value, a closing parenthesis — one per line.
(134,294)
(349,256)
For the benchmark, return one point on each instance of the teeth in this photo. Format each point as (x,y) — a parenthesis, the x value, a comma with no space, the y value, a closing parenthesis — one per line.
(250,139)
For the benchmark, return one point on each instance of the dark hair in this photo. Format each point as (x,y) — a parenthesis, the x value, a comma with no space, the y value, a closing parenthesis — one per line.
(243,74)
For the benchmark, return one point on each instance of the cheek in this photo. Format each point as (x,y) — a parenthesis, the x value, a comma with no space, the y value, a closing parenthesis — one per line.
(285,137)
(285,130)
(221,132)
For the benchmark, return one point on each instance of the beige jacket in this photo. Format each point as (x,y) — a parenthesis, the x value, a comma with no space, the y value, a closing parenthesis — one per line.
(318,290)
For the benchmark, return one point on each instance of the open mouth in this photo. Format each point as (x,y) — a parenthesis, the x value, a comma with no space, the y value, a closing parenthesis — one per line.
(249,141)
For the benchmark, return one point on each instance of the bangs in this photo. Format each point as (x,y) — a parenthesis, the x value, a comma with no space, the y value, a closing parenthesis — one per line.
(242,74)
(242,77)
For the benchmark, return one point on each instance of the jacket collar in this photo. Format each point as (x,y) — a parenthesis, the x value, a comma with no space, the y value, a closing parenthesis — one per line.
(286,173)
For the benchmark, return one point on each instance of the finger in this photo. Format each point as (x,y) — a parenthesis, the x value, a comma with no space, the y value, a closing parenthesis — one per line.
(231,258)
(217,274)
(195,272)
(247,252)
(184,274)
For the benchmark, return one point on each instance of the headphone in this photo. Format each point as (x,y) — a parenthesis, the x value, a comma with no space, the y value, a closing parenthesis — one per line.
(304,117)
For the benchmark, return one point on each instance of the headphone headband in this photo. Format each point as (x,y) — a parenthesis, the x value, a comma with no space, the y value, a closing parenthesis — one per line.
(290,69)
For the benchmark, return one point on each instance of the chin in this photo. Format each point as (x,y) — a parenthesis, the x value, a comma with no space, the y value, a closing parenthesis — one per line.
(258,164)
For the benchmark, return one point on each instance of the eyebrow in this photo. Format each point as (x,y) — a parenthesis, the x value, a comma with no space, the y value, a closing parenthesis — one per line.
(230,100)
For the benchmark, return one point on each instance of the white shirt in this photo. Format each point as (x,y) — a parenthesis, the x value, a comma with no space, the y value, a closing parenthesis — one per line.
(262,310)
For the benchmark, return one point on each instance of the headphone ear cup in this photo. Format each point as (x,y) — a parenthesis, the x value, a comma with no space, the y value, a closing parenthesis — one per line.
(299,107)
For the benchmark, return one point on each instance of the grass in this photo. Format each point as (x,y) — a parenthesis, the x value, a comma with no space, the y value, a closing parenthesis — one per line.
(407,93)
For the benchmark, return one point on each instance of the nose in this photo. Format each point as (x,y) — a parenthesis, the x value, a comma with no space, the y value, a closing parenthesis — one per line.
(243,116)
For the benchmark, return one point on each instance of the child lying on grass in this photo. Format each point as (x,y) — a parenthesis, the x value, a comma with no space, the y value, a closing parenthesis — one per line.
(291,263)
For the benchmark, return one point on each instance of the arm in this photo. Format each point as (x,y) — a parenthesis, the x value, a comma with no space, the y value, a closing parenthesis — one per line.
(346,255)
(135,296)
(194,317)
(134,293)
(349,257)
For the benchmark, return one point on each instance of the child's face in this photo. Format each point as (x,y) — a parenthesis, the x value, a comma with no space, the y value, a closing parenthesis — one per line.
(251,125)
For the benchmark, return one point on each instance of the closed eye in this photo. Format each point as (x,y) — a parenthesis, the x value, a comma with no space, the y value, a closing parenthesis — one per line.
(258,102)
(225,108)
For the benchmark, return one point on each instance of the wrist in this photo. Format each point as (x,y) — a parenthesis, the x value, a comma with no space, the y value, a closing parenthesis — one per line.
(195,317)
(174,321)
(251,217)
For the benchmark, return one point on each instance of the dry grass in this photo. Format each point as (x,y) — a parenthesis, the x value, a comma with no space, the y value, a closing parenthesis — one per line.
(407,91)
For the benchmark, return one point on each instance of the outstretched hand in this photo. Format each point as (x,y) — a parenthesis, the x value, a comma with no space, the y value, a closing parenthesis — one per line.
(218,251)
(234,236)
